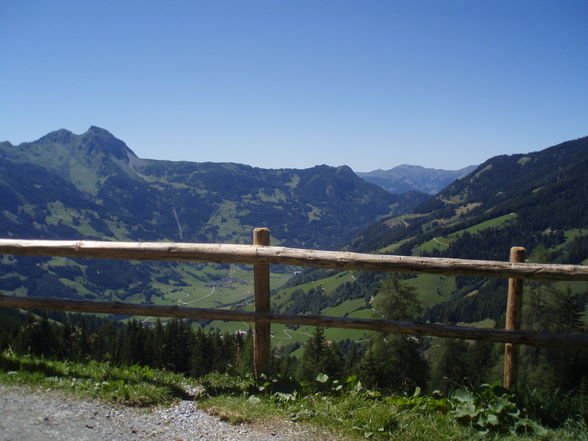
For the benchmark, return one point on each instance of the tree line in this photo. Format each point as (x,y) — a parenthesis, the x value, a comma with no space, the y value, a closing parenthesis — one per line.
(174,345)
(388,362)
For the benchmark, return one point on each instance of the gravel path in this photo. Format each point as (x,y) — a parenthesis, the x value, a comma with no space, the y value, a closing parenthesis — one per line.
(33,415)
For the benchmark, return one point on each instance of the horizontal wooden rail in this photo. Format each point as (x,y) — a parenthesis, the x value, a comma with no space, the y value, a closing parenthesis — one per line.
(389,326)
(255,254)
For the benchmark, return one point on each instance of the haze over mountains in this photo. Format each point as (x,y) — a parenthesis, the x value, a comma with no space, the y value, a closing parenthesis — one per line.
(405,178)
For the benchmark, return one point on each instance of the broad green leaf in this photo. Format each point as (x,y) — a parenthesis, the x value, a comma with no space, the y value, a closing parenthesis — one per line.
(322,378)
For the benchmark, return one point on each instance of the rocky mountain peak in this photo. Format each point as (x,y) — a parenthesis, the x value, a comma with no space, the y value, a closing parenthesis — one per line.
(98,140)
(61,136)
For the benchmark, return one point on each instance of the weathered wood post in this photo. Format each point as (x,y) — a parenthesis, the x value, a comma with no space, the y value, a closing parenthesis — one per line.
(261,281)
(514,308)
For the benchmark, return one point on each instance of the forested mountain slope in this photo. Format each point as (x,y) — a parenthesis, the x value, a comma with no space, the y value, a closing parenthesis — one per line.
(92,186)
(536,200)
(526,199)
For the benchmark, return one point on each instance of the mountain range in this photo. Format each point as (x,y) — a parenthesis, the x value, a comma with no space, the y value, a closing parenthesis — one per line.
(92,186)
(405,178)
(528,197)
(536,200)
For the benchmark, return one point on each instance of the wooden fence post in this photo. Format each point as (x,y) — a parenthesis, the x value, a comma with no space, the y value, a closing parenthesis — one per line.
(261,281)
(514,308)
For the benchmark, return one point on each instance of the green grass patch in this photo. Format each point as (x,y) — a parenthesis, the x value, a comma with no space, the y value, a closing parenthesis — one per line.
(486,323)
(132,386)
(491,223)
(391,249)
(347,411)
(366,313)
(343,309)
(329,284)
(339,334)
(437,243)
(442,242)
(282,335)
(431,288)
(342,410)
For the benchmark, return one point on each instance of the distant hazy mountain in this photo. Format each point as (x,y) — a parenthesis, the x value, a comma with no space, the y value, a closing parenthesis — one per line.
(405,178)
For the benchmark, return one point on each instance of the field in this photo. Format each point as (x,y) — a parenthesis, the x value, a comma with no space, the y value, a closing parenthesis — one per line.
(442,242)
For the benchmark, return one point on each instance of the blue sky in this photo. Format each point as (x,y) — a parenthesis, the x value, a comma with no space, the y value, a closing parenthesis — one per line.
(294,83)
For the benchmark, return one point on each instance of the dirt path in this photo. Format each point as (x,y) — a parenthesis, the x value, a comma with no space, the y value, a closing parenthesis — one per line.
(33,415)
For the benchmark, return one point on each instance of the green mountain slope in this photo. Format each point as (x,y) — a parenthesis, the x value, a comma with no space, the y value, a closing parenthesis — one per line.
(92,186)
(64,177)
(542,192)
(536,200)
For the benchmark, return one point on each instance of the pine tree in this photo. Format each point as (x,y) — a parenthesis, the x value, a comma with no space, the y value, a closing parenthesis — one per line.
(394,362)
(320,357)
(395,300)
(481,359)
(199,360)
(568,315)
(177,337)
(551,369)
(451,369)
(154,345)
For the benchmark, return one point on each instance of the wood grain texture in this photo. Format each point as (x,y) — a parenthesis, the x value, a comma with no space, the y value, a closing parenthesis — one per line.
(254,254)
(514,312)
(262,329)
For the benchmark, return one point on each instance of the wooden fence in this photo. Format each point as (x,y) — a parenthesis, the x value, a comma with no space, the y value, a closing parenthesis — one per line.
(261,255)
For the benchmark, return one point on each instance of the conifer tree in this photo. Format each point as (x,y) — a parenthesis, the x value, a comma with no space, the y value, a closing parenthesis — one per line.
(176,345)
(320,357)
(199,360)
(547,370)
(451,368)
(394,362)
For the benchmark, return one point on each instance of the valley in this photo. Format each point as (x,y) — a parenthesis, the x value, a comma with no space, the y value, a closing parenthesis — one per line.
(92,186)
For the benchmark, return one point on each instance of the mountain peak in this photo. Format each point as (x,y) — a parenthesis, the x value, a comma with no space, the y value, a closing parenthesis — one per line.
(98,131)
(404,178)
(97,139)
(61,136)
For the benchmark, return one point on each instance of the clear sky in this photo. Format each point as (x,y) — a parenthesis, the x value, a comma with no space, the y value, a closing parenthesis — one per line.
(294,83)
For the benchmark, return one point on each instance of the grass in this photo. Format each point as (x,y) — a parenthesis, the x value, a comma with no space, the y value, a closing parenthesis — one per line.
(338,334)
(337,411)
(349,418)
(133,386)
(442,243)
(350,412)
(329,284)
(491,223)
(432,288)
(344,308)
